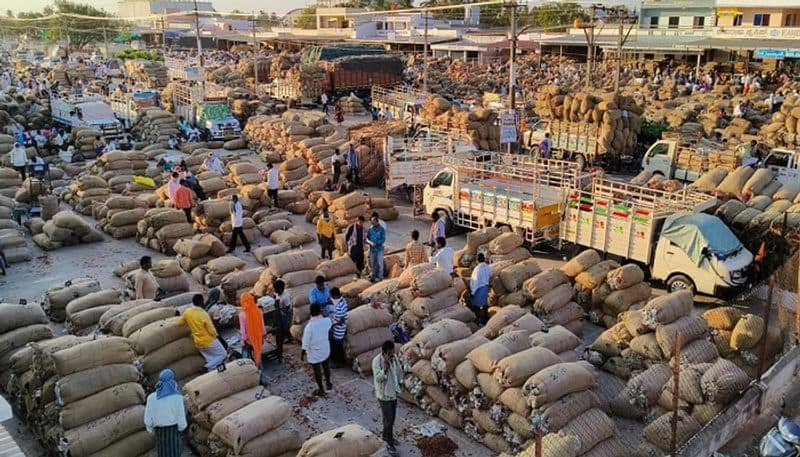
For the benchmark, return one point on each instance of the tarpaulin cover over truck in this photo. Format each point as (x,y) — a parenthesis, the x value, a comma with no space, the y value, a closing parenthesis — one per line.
(695,232)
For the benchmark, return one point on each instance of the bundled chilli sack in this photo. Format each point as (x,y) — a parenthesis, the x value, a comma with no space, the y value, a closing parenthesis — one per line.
(351,440)
(161,228)
(84,192)
(56,298)
(19,325)
(254,427)
(367,329)
(556,381)
(84,313)
(668,308)
(161,344)
(66,229)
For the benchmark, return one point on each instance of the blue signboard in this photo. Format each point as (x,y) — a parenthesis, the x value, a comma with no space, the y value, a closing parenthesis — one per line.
(777,54)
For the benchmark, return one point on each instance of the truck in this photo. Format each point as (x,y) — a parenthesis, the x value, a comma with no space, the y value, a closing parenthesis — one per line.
(188,69)
(686,160)
(402,102)
(666,233)
(206,107)
(127,107)
(573,141)
(480,189)
(85,110)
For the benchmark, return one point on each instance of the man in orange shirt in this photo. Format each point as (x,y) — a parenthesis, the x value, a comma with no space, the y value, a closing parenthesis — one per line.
(183,199)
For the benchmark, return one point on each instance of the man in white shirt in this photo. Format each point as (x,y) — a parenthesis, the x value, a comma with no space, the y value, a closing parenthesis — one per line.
(336,165)
(19,159)
(443,259)
(317,347)
(479,288)
(324,99)
(273,183)
(212,163)
(237,220)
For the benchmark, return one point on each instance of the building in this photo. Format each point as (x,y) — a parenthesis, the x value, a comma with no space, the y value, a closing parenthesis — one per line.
(130,9)
(678,14)
(774,14)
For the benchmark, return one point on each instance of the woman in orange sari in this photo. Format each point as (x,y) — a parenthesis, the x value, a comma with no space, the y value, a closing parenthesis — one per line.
(251,325)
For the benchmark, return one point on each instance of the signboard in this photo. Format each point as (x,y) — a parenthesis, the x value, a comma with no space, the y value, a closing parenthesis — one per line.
(195,73)
(508,128)
(777,54)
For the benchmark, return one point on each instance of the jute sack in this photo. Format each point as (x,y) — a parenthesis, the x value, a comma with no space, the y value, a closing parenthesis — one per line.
(595,275)
(748,332)
(483,419)
(556,298)
(348,441)
(361,342)
(94,299)
(658,432)
(557,338)
(22,360)
(58,297)
(410,274)
(18,338)
(437,334)
(430,283)
(553,416)
(115,323)
(502,318)
(589,428)
(426,306)
(281,264)
(159,359)
(452,417)
(146,318)
(218,249)
(647,346)
(218,410)
(81,321)
(72,388)
(581,263)
(645,388)
(668,308)
(505,243)
(424,371)
(528,322)
(735,181)
(96,435)
(446,357)
(157,334)
(555,381)
(691,389)
(299,277)
(621,300)
(486,357)
(514,370)
(481,237)
(101,404)
(366,317)
(255,419)
(609,447)
(16,316)
(514,276)
(210,387)
(466,375)
(609,343)
(224,265)
(723,381)
(513,399)
(537,286)
(140,443)
(625,276)
(689,327)
(697,351)
(704,412)
(335,268)
(280,442)
(555,445)
(91,354)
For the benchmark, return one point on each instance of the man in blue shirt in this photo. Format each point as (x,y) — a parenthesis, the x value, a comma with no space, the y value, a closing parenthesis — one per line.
(321,295)
(376,237)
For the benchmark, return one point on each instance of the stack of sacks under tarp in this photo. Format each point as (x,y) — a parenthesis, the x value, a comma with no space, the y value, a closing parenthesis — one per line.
(56,298)
(231,414)
(99,401)
(161,228)
(85,191)
(66,229)
(83,313)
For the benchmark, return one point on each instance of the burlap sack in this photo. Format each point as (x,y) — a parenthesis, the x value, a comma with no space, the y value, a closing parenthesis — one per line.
(486,357)
(595,275)
(619,301)
(281,264)
(251,421)
(381,292)
(452,417)
(689,327)
(410,274)
(280,442)
(425,306)
(91,354)
(611,342)
(140,444)
(589,428)
(483,418)
(424,371)
(514,370)
(552,417)
(239,375)
(555,381)
(528,322)
(352,441)
(466,375)
(556,298)
(218,410)
(505,243)
(162,357)
(18,338)
(483,236)
(225,265)
(92,437)
(94,299)
(735,180)
(59,296)
(723,381)
(645,388)
(691,389)
(16,316)
(80,322)
(101,404)
(658,432)
(703,413)
(555,445)
(146,318)
(537,286)
(697,351)
(358,343)
(192,248)
(748,332)
(437,334)
(430,283)
(557,338)
(514,276)
(565,315)
(758,181)
(668,308)
(581,263)
(335,268)
(625,276)
(157,334)
(72,388)
(502,318)
(448,356)
(647,346)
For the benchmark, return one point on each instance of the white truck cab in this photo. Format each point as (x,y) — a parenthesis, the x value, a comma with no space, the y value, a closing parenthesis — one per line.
(664,158)
(785,163)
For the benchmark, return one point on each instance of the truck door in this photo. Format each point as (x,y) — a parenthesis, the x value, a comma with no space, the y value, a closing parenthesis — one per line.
(659,159)
(439,193)
(783,165)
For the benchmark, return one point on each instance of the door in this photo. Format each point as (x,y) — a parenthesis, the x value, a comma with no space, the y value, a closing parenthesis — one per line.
(784,165)
(658,159)
(439,193)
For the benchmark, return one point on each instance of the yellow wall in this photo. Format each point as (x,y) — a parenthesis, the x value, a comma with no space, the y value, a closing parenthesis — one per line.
(777,16)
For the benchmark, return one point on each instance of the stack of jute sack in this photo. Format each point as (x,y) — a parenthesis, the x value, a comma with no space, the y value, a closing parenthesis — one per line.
(161,228)
(147,70)
(384,207)
(156,126)
(169,275)
(426,295)
(57,297)
(118,216)
(66,229)
(237,282)
(10,179)
(116,165)
(19,325)
(465,259)
(159,343)
(347,208)
(211,182)
(243,173)
(85,191)
(232,415)
(210,214)
(293,172)
(83,313)
(739,337)
(352,104)
(783,130)
(478,123)
(298,271)
(211,274)
(367,329)
(306,80)
(551,294)
(84,138)
(351,440)
(198,250)
(281,133)
(13,245)
(99,400)
(29,190)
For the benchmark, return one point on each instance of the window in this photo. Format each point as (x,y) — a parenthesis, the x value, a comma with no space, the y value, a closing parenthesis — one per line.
(444,178)
(379,25)
(790,20)
(699,22)
(737,20)
(776,159)
(673,22)
(659,149)
(653,22)
(761,20)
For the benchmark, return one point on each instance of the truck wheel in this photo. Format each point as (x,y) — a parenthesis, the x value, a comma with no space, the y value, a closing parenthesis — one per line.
(658,173)
(680,282)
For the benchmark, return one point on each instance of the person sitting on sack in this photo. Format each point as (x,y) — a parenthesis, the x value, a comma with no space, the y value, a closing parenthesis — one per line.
(145,285)
(204,335)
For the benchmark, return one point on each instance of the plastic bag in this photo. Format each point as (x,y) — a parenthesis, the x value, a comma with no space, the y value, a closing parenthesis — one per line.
(789,430)
(773,445)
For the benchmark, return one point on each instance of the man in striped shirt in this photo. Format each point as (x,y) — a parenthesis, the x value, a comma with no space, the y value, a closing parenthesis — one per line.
(339,328)
(415,251)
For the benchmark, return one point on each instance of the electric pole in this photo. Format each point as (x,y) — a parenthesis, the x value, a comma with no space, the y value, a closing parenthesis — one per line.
(197,33)
(589,32)
(622,15)
(512,80)
(425,56)
(164,32)
(105,41)
(255,57)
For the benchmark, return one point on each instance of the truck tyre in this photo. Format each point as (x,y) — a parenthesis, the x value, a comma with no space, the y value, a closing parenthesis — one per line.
(658,173)
(680,282)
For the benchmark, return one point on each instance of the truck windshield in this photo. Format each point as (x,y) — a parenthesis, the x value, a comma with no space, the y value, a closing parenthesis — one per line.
(777,159)
(659,149)
(444,178)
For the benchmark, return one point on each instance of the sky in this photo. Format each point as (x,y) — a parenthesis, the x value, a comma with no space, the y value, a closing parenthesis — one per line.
(279,6)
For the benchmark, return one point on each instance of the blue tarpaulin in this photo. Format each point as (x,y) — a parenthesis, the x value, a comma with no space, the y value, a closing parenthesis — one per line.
(695,232)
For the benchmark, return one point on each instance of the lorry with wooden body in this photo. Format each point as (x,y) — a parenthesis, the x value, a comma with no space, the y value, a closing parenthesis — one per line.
(85,110)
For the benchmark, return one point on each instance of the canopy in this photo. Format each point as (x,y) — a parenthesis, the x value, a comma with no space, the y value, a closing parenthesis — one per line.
(695,232)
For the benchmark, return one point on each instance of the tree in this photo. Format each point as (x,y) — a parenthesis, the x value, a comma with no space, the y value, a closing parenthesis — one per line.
(554,16)
(84,31)
(307,19)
